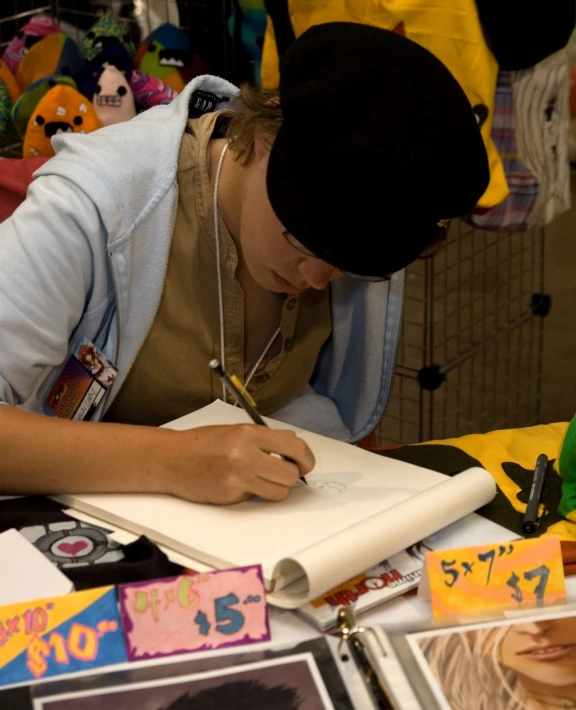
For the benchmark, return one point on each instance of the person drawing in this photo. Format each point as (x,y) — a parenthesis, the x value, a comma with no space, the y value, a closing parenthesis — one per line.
(239,695)
(267,229)
(524,666)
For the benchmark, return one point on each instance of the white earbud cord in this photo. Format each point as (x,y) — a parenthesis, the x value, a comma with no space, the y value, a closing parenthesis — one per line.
(218,269)
(220,290)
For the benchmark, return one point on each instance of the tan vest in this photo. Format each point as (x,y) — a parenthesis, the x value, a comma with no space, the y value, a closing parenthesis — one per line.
(170,376)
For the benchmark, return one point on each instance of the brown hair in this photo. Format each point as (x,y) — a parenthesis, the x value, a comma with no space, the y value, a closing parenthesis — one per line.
(257,112)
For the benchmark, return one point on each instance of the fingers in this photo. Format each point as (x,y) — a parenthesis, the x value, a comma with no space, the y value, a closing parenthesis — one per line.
(276,470)
(285,443)
(268,490)
(229,462)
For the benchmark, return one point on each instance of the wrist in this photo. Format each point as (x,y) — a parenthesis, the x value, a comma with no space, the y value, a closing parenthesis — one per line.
(152,452)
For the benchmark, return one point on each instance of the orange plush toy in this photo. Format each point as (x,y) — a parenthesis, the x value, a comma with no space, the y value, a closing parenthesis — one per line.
(10,80)
(62,110)
(55,54)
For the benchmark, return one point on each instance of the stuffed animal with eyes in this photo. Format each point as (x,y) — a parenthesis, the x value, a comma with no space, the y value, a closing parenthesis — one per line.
(114,54)
(61,110)
(167,54)
(29,99)
(27,36)
(113,100)
(102,32)
(55,54)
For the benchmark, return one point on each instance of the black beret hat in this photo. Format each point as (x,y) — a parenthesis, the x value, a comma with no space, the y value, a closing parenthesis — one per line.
(378,146)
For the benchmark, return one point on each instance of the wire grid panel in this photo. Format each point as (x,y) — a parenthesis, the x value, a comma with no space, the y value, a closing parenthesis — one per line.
(469,323)
(15,13)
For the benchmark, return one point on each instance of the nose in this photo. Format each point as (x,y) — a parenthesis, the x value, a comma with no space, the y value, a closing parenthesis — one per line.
(535,628)
(317,273)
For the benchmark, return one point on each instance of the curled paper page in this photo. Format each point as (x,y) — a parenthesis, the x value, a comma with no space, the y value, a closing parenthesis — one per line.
(341,556)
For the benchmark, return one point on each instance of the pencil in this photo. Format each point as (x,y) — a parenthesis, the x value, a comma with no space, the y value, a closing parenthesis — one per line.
(244,400)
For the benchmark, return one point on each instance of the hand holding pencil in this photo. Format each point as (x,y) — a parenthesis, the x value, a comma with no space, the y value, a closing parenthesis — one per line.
(245,401)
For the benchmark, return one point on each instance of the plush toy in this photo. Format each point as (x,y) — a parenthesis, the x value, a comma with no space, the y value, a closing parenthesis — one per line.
(107,28)
(61,110)
(55,54)
(29,99)
(251,14)
(113,100)
(149,90)
(31,33)
(5,108)
(113,54)
(167,54)
(10,81)
(566,465)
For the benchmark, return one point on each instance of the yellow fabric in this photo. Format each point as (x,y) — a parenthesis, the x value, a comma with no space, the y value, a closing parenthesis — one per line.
(451,31)
(170,376)
(521,446)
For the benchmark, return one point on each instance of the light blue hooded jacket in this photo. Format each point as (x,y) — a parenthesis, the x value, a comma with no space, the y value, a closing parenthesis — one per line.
(86,253)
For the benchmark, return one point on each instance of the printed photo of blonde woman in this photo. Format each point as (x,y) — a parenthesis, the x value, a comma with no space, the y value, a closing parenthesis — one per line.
(529,665)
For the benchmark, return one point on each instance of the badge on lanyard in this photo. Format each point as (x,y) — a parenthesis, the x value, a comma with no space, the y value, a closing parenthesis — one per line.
(82,382)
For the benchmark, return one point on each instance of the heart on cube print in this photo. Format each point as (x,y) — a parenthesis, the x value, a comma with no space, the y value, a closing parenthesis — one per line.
(72,548)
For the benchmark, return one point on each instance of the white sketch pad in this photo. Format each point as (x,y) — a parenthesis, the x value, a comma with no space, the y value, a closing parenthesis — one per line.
(358,509)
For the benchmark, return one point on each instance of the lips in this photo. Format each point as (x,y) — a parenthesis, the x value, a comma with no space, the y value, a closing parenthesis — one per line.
(548,653)
(285,286)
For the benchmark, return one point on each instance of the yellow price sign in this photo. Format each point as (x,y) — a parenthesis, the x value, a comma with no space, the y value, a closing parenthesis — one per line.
(523,574)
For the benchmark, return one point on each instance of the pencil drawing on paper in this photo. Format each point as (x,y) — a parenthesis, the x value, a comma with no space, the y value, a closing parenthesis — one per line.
(329,489)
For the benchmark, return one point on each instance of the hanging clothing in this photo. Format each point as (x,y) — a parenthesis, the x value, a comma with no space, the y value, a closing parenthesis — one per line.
(541,107)
(516,211)
(452,33)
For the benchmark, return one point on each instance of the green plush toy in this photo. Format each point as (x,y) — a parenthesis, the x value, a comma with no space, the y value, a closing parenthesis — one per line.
(102,32)
(5,108)
(566,464)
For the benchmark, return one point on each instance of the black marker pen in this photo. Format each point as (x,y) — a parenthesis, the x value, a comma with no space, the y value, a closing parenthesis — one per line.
(531,516)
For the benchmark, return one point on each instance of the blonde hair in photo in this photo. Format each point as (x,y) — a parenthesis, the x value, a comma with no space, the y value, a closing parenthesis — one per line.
(469,673)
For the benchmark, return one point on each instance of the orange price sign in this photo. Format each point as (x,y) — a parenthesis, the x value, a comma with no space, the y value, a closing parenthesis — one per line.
(523,574)
(48,637)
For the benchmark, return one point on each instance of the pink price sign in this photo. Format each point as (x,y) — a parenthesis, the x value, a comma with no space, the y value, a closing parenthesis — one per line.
(194,612)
